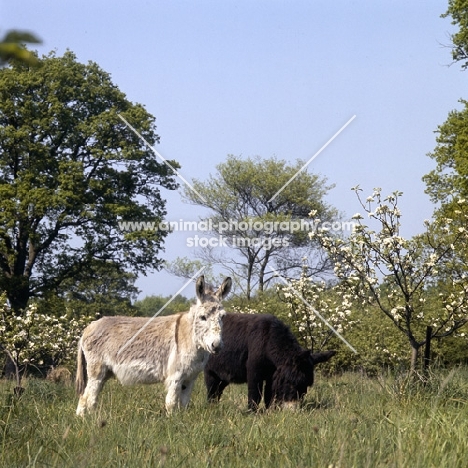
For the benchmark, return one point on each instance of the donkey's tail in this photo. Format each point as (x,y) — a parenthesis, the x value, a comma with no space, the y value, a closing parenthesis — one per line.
(80,381)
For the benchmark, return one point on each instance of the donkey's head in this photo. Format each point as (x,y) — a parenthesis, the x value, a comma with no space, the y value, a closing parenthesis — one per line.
(290,381)
(208,315)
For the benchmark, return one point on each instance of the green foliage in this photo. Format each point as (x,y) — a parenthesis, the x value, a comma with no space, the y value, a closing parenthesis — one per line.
(13,50)
(458,10)
(447,184)
(70,170)
(151,305)
(256,224)
(379,344)
(346,421)
(266,302)
(255,181)
(448,181)
(107,289)
(451,350)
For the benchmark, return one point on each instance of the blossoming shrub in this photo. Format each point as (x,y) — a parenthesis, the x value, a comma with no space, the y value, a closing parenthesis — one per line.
(306,299)
(29,338)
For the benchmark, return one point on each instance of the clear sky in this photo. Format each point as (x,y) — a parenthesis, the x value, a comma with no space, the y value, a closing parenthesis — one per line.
(272,78)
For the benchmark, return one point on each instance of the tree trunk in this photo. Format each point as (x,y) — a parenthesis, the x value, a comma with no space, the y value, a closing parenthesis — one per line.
(17,290)
(9,369)
(427,350)
(248,291)
(261,278)
(414,355)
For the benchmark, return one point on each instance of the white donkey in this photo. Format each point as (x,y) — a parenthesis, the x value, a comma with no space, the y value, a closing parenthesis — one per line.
(172,349)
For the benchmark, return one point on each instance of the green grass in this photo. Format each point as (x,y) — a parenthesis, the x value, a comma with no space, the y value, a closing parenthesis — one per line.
(346,421)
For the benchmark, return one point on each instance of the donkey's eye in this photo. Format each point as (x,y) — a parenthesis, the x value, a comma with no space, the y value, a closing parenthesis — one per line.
(203,317)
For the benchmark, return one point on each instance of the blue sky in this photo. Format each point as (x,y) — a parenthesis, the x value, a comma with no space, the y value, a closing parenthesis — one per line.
(272,78)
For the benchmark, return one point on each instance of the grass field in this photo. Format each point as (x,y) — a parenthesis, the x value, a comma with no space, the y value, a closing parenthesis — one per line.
(346,421)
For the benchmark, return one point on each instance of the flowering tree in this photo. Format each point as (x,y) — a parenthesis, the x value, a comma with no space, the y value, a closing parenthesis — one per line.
(397,274)
(303,297)
(28,338)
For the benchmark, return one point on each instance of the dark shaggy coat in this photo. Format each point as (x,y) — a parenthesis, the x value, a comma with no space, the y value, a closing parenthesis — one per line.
(262,351)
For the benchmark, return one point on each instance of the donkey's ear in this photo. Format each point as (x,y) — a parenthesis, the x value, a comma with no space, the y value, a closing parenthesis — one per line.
(200,287)
(317,358)
(225,288)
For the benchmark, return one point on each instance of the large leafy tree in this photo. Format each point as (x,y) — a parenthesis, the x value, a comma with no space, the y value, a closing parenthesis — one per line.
(261,218)
(447,184)
(458,11)
(449,180)
(69,171)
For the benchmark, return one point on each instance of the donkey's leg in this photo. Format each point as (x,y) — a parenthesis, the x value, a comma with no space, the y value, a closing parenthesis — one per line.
(268,391)
(186,391)
(89,398)
(174,391)
(254,387)
(178,393)
(214,386)
(97,375)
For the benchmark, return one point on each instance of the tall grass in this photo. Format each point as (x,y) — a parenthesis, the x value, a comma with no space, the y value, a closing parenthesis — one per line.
(346,421)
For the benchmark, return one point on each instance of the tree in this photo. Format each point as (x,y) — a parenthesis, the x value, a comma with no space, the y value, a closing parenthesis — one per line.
(398,275)
(184,267)
(151,305)
(458,10)
(263,226)
(448,182)
(69,171)
(12,48)
(106,289)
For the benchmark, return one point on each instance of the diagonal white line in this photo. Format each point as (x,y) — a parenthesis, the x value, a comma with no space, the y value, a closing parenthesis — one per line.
(161,157)
(315,311)
(312,158)
(160,310)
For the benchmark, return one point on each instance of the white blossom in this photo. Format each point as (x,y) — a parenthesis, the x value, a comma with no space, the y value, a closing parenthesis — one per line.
(26,337)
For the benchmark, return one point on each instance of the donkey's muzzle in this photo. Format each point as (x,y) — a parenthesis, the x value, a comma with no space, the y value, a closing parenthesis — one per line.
(216,347)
